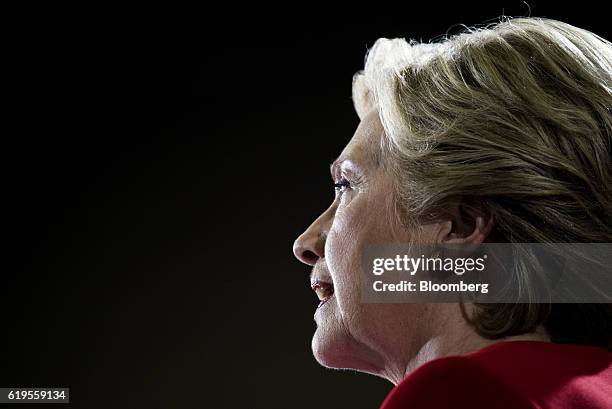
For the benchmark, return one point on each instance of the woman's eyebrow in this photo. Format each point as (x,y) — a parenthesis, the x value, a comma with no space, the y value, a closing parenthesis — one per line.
(333,167)
(350,164)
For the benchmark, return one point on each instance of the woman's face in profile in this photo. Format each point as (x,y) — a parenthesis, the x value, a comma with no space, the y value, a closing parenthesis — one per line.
(351,334)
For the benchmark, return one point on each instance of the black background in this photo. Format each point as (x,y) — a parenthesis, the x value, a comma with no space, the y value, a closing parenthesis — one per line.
(158,165)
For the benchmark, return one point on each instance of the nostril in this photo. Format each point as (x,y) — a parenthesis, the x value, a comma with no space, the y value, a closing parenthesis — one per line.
(309,257)
(310,246)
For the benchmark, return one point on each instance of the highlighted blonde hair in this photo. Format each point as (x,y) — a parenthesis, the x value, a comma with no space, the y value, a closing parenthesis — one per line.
(516,114)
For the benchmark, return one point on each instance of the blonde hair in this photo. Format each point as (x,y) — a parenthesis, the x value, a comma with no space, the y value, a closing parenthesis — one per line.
(516,114)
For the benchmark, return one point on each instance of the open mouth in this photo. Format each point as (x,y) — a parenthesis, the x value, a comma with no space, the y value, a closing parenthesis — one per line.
(323,290)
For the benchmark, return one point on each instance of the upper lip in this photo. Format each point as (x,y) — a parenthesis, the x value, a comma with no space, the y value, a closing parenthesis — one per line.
(321,283)
(323,289)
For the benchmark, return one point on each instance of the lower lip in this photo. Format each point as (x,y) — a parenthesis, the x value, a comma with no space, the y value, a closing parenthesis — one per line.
(324,301)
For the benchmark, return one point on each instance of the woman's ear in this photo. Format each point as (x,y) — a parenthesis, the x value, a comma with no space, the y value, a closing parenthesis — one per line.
(468,221)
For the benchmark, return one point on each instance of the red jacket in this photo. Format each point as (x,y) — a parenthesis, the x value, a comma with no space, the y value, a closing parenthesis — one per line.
(513,375)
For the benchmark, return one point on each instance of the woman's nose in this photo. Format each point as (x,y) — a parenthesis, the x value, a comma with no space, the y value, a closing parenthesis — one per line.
(310,246)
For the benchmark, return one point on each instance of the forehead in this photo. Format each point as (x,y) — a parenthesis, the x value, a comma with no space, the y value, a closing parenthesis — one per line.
(364,146)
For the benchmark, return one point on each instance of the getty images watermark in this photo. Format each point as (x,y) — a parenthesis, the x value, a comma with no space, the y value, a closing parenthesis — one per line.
(488,273)
(412,265)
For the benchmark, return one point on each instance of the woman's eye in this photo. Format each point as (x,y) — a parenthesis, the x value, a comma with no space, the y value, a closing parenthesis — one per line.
(342,185)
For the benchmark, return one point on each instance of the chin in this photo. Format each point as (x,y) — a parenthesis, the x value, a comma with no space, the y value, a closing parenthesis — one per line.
(335,349)
(328,350)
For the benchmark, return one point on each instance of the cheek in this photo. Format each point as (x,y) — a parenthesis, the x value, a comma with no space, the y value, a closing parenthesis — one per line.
(365,220)
(373,325)
(351,230)
(362,221)
(343,248)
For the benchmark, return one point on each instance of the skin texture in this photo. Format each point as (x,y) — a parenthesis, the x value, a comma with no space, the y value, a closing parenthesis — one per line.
(388,340)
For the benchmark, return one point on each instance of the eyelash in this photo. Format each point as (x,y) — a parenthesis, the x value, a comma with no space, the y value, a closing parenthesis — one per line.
(342,184)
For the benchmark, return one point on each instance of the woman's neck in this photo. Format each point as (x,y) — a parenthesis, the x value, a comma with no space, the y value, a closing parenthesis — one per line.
(456,337)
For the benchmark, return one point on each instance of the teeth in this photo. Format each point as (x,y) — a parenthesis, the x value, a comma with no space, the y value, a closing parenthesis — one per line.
(323,293)
(323,290)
